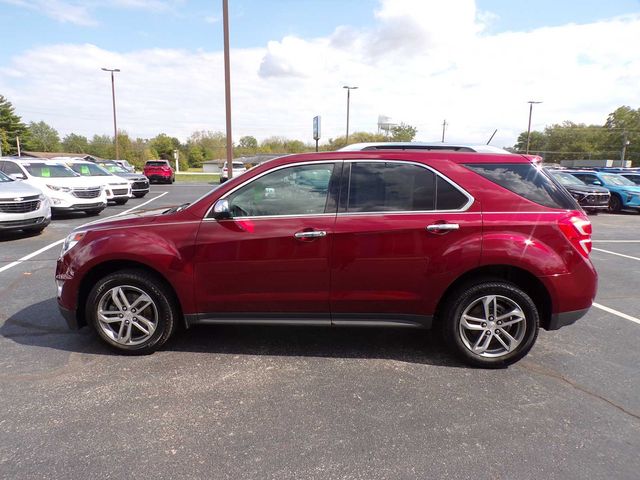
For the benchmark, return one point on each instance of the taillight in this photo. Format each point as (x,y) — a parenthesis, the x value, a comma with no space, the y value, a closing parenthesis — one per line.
(577,228)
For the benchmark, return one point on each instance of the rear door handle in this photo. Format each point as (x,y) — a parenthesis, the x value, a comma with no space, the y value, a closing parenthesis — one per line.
(311,234)
(442,227)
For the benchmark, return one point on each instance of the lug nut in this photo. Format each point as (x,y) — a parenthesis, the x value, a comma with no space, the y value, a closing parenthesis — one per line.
(499,322)
(133,310)
(135,319)
(124,308)
(121,315)
(484,325)
(488,333)
(497,331)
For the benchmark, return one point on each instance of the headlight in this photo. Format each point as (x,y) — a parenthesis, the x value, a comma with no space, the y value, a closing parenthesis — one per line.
(71,241)
(59,189)
(41,197)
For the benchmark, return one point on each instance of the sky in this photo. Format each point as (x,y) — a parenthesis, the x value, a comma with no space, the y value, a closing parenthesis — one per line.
(473,63)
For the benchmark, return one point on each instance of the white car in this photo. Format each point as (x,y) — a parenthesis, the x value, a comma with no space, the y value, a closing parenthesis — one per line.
(22,207)
(66,190)
(238,169)
(117,189)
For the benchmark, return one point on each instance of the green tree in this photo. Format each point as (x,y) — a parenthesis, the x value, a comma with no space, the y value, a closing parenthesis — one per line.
(4,144)
(11,127)
(403,133)
(623,126)
(355,137)
(102,146)
(248,142)
(42,138)
(537,142)
(164,146)
(73,143)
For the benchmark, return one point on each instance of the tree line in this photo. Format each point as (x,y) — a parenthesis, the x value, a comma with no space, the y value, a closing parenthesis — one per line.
(577,141)
(567,140)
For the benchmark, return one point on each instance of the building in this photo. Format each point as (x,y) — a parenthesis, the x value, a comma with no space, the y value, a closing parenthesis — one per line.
(50,155)
(591,163)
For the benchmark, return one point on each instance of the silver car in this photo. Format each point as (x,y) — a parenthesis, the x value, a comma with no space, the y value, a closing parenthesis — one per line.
(22,206)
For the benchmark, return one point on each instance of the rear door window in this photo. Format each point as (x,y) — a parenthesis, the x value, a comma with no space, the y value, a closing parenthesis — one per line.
(528,181)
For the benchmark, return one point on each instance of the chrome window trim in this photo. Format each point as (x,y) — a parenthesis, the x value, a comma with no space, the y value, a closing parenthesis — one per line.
(463,209)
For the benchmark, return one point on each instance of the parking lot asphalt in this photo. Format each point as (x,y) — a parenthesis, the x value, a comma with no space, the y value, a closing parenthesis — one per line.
(306,403)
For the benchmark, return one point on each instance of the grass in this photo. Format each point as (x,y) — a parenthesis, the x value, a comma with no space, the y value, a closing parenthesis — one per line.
(186,178)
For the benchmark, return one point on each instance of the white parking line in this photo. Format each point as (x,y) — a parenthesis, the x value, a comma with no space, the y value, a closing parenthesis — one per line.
(615,253)
(616,312)
(51,245)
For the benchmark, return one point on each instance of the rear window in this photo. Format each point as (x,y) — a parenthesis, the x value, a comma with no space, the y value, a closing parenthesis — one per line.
(528,181)
(157,164)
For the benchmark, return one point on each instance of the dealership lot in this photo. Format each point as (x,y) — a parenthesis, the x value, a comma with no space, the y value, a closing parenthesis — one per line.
(249,402)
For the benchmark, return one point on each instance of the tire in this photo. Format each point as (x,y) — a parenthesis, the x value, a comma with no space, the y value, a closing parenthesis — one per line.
(93,213)
(615,204)
(139,195)
(160,313)
(121,201)
(35,231)
(483,332)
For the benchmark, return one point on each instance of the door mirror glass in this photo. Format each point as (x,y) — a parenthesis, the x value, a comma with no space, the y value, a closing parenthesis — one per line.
(596,182)
(221,210)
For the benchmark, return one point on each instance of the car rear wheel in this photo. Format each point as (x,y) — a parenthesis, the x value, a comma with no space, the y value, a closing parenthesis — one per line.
(615,204)
(139,195)
(132,311)
(491,324)
(121,201)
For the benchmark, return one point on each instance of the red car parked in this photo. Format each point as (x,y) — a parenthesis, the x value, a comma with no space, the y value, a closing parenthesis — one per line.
(486,247)
(159,171)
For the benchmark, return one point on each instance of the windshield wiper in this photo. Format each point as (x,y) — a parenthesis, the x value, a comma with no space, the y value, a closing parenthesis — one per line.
(179,208)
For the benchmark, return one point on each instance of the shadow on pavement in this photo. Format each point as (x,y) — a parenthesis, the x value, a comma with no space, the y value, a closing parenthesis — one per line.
(41,325)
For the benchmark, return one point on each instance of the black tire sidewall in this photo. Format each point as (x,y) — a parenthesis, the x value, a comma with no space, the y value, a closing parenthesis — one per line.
(152,287)
(469,294)
(615,203)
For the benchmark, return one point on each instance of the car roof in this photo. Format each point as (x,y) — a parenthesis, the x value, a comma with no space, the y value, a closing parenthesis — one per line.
(456,147)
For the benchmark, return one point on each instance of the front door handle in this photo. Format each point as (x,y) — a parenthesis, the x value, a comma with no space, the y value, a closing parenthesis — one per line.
(310,234)
(442,227)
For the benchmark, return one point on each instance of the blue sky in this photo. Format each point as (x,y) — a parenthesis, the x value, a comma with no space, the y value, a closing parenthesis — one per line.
(195,24)
(475,63)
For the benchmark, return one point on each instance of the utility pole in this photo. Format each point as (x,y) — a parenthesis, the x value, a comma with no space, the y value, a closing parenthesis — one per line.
(625,144)
(530,102)
(348,101)
(113,100)
(227,87)
(444,127)
(18,145)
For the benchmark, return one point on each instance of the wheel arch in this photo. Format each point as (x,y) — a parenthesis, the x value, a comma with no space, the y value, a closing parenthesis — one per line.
(520,277)
(111,266)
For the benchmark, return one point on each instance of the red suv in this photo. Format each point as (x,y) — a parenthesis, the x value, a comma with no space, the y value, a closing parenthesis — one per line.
(486,247)
(159,171)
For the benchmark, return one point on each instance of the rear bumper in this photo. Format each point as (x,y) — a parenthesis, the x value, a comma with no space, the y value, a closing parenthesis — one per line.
(559,320)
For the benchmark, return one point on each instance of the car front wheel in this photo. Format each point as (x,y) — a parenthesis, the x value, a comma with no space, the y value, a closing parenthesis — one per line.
(615,204)
(491,324)
(132,311)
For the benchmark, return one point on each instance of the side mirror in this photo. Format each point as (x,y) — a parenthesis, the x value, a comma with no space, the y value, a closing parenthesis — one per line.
(18,176)
(221,210)
(596,182)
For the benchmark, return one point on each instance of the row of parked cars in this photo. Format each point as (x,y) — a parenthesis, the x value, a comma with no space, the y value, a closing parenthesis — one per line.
(31,190)
(612,189)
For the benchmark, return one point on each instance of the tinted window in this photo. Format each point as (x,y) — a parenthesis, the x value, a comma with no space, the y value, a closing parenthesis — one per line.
(11,168)
(88,170)
(528,181)
(448,197)
(4,178)
(300,190)
(382,187)
(157,164)
(46,170)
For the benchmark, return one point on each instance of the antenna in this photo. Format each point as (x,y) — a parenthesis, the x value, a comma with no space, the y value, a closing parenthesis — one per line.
(492,135)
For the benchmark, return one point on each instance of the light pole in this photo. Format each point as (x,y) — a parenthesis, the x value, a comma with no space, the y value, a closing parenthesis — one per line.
(530,102)
(227,87)
(348,101)
(113,99)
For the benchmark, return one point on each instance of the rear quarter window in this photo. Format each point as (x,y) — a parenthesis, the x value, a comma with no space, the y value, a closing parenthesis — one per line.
(527,181)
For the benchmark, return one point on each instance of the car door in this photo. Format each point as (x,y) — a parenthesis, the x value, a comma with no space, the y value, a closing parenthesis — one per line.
(270,261)
(402,234)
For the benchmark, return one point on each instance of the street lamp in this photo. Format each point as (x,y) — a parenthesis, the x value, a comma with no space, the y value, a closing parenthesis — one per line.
(227,87)
(348,100)
(530,102)
(113,99)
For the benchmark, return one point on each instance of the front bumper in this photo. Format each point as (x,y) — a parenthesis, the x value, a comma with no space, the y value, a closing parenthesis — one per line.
(81,207)
(35,222)
(69,317)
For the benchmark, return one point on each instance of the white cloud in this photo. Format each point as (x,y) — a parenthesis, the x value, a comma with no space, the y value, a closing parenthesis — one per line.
(60,10)
(421,63)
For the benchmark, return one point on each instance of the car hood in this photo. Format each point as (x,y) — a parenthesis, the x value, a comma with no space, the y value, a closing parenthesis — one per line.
(133,219)
(12,190)
(136,177)
(626,188)
(72,182)
(586,189)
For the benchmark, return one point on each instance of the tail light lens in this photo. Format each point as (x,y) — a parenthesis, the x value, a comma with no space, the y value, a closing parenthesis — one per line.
(577,228)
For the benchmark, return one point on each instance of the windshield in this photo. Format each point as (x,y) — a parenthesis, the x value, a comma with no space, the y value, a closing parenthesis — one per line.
(619,180)
(89,170)
(113,168)
(4,178)
(49,170)
(566,178)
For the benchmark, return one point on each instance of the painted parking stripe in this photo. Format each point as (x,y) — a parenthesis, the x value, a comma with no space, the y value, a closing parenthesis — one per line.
(615,253)
(51,245)
(616,312)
